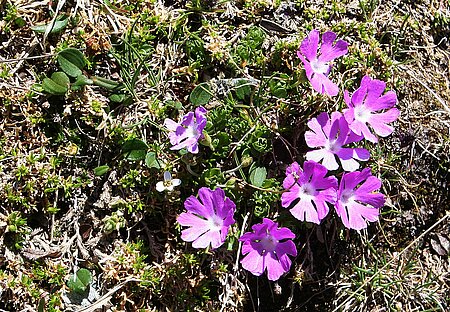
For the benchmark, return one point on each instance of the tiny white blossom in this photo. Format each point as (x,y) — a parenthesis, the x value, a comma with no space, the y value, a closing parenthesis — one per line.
(168,184)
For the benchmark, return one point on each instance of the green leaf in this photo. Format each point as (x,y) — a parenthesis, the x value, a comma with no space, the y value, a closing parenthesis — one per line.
(71,61)
(52,87)
(134,149)
(151,161)
(81,81)
(57,26)
(105,83)
(243,88)
(257,176)
(201,94)
(80,281)
(101,170)
(118,98)
(61,79)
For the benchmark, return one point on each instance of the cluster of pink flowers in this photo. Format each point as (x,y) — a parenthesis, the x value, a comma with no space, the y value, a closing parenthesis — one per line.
(310,190)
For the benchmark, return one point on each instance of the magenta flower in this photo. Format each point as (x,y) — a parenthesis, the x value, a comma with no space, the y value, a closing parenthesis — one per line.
(309,191)
(208,220)
(267,248)
(318,67)
(188,132)
(331,134)
(362,107)
(357,205)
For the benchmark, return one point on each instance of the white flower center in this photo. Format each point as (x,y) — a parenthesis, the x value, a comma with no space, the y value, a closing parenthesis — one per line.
(191,131)
(346,196)
(269,243)
(215,223)
(362,114)
(319,67)
(307,191)
(332,146)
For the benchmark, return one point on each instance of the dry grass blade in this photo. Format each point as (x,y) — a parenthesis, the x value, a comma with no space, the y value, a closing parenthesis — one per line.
(368,280)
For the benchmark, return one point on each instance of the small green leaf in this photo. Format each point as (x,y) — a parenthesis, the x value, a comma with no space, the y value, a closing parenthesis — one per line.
(201,94)
(52,87)
(80,281)
(71,61)
(118,98)
(57,26)
(105,83)
(101,170)
(84,276)
(151,161)
(61,79)
(257,176)
(134,149)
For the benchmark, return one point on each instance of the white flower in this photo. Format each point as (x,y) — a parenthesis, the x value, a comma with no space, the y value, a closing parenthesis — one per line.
(168,184)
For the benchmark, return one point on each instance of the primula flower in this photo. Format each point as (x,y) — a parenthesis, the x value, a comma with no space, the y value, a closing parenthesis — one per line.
(267,248)
(188,132)
(168,184)
(331,134)
(318,67)
(357,205)
(208,220)
(363,104)
(312,190)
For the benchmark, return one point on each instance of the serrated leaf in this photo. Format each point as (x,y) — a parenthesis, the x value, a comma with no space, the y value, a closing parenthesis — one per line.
(257,176)
(71,61)
(151,161)
(134,149)
(52,87)
(57,26)
(101,170)
(201,94)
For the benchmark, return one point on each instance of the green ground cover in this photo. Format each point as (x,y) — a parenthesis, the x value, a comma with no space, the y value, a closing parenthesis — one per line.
(85,89)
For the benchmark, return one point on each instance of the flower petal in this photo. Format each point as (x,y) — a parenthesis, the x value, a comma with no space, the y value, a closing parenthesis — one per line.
(205,195)
(310,45)
(330,52)
(273,266)
(193,205)
(304,210)
(282,233)
(160,186)
(253,262)
(287,247)
(287,198)
(170,124)
(189,219)
(212,238)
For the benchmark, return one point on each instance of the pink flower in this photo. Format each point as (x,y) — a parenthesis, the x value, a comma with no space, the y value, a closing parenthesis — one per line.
(357,205)
(318,67)
(208,220)
(362,107)
(267,248)
(331,135)
(308,190)
(188,132)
